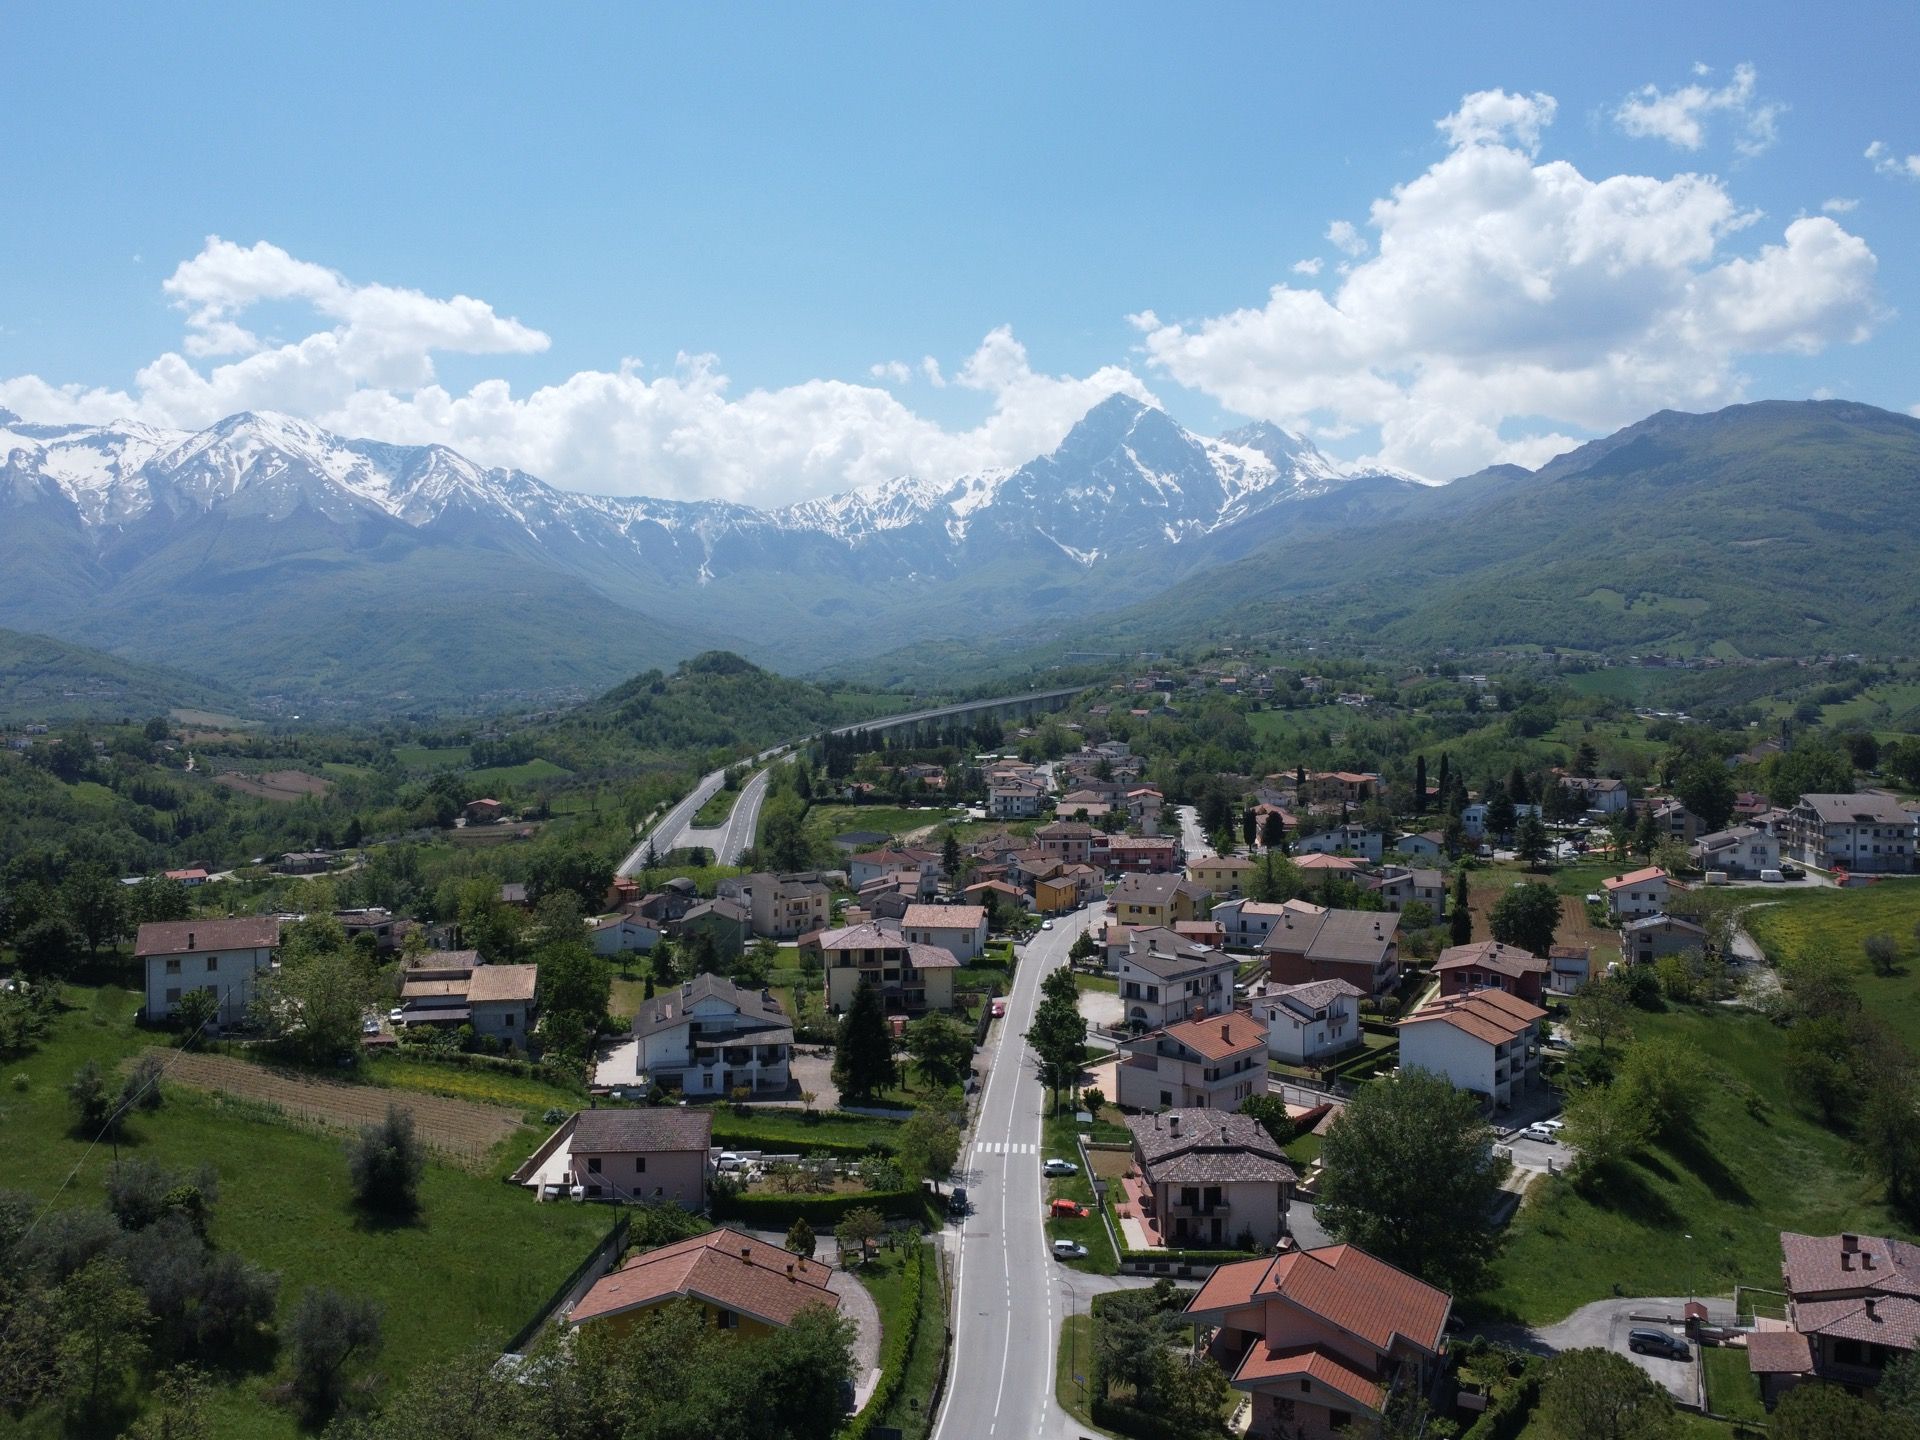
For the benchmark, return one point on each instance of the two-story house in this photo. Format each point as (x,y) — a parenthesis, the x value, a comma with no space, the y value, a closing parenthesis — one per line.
(1225,876)
(960,930)
(1490,965)
(1311,1023)
(1142,854)
(1321,1339)
(1358,840)
(1165,978)
(658,1154)
(1853,1304)
(1646,939)
(1638,892)
(222,956)
(1068,841)
(1867,834)
(1248,922)
(1486,1042)
(1211,1178)
(1603,795)
(456,987)
(1361,947)
(1211,1064)
(1739,853)
(910,977)
(1155,900)
(709,1035)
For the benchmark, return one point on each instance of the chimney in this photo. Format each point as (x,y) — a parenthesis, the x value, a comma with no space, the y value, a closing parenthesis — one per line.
(1173,1124)
(1870,1303)
(1226,1030)
(1849,1242)
(190,944)
(746,1253)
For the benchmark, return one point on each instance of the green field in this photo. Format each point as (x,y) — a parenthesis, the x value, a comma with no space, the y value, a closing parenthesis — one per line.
(1091,1232)
(1702,1215)
(768,1129)
(529,772)
(826,821)
(424,757)
(719,806)
(487,1087)
(1835,924)
(284,1204)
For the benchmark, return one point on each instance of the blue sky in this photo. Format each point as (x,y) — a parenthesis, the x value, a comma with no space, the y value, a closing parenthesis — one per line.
(1073,198)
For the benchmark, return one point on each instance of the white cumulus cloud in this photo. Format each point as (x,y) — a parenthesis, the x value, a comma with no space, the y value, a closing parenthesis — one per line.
(1347,238)
(1888,162)
(1494,117)
(1679,116)
(1839,205)
(1307,267)
(367,369)
(1513,300)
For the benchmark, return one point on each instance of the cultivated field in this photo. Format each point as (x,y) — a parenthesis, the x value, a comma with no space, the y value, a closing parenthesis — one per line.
(460,1129)
(274,784)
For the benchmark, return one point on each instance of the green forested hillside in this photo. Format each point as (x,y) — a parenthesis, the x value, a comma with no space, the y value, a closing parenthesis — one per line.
(46,679)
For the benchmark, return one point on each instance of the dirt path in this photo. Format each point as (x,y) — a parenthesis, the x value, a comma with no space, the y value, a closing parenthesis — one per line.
(461,1129)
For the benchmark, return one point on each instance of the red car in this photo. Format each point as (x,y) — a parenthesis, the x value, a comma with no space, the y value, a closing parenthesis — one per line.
(999,1009)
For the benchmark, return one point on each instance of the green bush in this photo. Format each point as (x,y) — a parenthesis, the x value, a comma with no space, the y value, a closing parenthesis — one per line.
(898,1345)
(1507,1416)
(778,1212)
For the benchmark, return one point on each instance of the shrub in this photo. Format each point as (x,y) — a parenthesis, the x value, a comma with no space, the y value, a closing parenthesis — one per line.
(385,1162)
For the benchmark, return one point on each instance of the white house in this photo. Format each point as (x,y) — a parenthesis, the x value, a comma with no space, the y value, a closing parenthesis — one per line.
(224,956)
(1427,845)
(1743,851)
(1165,978)
(1868,833)
(1358,840)
(1306,1023)
(1014,799)
(622,934)
(960,930)
(1249,922)
(709,1035)
(1604,795)
(1486,1042)
(1473,819)
(1636,893)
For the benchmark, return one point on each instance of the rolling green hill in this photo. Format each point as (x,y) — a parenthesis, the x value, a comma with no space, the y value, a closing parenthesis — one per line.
(47,679)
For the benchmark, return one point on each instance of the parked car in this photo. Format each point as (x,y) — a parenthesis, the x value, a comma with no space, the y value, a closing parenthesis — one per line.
(1791,872)
(1771,877)
(1543,1133)
(957,1200)
(1658,1342)
(1046,924)
(730,1161)
(396,1015)
(999,1009)
(1057,1166)
(1069,1250)
(370,1026)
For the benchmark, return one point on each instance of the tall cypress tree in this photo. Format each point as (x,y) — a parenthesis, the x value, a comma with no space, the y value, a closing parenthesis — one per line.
(863,1057)
(1420,785)
(1446,779)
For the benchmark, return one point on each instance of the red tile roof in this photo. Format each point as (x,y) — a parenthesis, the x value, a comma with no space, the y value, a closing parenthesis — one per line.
(1342,1285)
(196,937)
(1779,1352)
(1217,1036)
(724,1268)
(1490,1015)
(1315,1362)
(1634,877)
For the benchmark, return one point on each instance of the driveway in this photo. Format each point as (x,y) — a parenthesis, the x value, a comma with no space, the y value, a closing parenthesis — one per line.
(1604,1325)
(1102,1009)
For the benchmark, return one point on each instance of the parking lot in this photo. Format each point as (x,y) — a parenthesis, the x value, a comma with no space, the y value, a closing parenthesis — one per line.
(1605,1324)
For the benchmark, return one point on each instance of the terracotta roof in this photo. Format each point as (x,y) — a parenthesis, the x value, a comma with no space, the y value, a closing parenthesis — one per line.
(644,1131)
(1779,1352)
(944,917)
(183,937)
(1493,956)
(1217,1036)
(501,983)
(1316,861)
(1634,877)
(1316,1362)
(1830,1264)
(725,1268)
(1342,1285)
(1489,1015)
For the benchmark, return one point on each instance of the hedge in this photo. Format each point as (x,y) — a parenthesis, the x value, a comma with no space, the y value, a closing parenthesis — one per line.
(730,1139)
(1138,1424)
(896,1346)
(776,1212)
(1507,1416)
(1186,1257)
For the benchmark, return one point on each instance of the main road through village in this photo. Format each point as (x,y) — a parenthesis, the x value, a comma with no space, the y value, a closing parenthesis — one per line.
(1009,1292)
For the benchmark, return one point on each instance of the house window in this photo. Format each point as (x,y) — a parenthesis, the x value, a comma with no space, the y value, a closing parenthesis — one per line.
(507,1020)
(593,1164)
(173,967)
(173,995)
(639,1164)
(213,963)
(726,1320)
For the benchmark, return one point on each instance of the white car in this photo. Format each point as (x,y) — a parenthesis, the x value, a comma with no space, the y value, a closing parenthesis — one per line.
(1069,1250)
(396,1016)
(1046,924)
(730,1161)
(1059,1167)
(1545,1134)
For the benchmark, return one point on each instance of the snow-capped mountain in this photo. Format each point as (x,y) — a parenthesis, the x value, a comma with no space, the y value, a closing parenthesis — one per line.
(109,531)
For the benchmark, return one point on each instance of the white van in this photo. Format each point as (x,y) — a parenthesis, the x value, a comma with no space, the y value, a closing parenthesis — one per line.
(1772,877)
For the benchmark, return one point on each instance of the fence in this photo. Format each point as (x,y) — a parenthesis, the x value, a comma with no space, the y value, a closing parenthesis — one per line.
(597,1263)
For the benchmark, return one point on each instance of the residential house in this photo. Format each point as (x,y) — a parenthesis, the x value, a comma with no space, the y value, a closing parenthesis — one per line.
(223,956)
(1638,892)
(1340,787)
(1427,845)
(1227,876)
(1486,1042)
(1675,822)
(671,901)
(1003,893)
(781,907)
(1473,819)
(1430,889)
(1359,840)
(911,977)
(1164,978)
(1142,854)
(1144,804)
(304,862)
(1361,947)
(725,921)
(1568,968)
(500,1002)
(708,1035)
(1249,922)
(1866,834)
(1740,853)
(1155,900)
(960,930)
(483,812)
(457,987)
(1308,1024)
(1212,1064)
(514,893)
(659,1154)
(1068,889)
(1603,795)
(1490,965)
(1320,1339)
(1211,1179)
(1067,841)
(622,934)
(383,925)
(740,1284)
(191,877)
(1315,866)
(1011,799)
(1853,1305)
(1646,939)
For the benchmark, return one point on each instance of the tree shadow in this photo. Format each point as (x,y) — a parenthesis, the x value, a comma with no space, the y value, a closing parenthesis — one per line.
(1624,1189)
(1692,1153)
(380,1219)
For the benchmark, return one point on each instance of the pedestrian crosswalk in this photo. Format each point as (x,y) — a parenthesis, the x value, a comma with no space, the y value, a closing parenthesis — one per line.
(1004,1147)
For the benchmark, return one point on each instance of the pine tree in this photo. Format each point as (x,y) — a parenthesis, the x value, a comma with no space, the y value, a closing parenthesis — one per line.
(863,1057)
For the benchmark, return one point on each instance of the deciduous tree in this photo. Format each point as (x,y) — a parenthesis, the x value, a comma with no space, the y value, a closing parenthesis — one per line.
(1595,1394)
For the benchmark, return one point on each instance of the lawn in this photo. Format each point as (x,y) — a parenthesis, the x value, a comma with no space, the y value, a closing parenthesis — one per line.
(529,772)
(826,821)
(1700,1215)
(911,1410)
(1091,1232)
(1731,1389)
(1574,882)
(769,1129)
(426,757)
(1074,1362)
(718,807)
(1836,923)
(284,1204)
(490,1087)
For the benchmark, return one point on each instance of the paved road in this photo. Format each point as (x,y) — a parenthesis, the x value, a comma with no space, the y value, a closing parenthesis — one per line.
(1193,839)
(675,829)
(1604,1325)
(1009,1294)
(729,842)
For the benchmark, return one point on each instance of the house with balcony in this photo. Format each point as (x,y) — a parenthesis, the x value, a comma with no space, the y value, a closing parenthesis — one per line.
(1486,1042)
(1361,841)
(1866,834)
(1142,854)
(781,907)
(1741,853)
(1636,893)
(1068,841)
(457,987)
(225,957)
(1155,900)
(1321,1339)
(912,978)
(1164,978)
(961,930)
(1603,795)
(1490,965)
(1248,922)
(1208,1179)
(1645,940)
(1312,1023)
(1210,1064)
(1361,947)
(1853,1306)
(1225,876)
(707,1036)
(1011,798)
